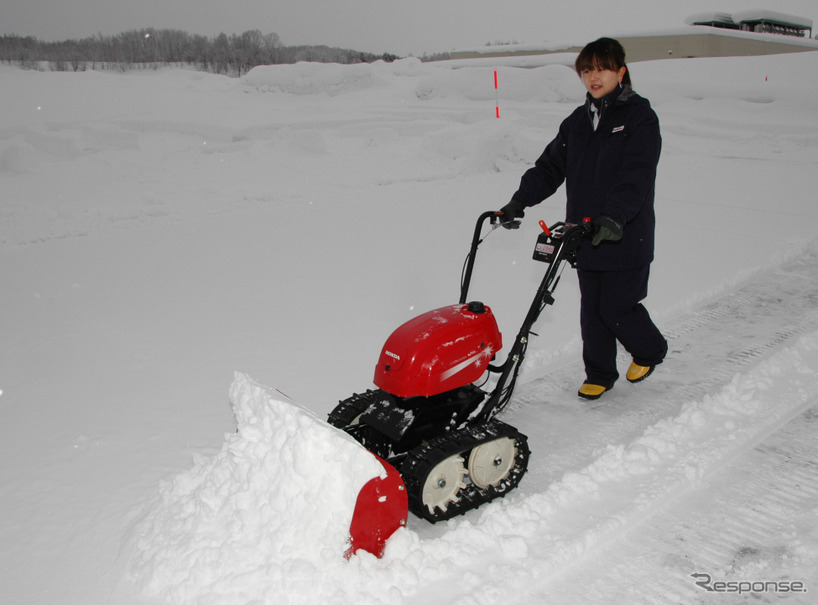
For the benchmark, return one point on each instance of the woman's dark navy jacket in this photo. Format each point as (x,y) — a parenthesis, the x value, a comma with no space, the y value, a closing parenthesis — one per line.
(610,171)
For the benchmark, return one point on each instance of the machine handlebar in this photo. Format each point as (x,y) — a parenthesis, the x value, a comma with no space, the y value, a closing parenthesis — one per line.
(571,234)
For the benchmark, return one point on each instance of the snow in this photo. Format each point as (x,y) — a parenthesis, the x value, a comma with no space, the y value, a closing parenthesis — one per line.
(162,230)
(255,514)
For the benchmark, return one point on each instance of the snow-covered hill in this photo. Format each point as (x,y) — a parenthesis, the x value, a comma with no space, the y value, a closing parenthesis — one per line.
(162,229)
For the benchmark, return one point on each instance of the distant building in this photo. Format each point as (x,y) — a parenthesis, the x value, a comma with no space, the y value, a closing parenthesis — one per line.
(758,21)
(745,33)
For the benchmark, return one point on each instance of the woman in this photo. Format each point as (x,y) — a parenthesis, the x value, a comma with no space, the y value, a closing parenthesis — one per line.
(606,152)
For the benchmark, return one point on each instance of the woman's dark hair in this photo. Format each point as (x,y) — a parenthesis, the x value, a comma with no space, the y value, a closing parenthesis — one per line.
(605,53)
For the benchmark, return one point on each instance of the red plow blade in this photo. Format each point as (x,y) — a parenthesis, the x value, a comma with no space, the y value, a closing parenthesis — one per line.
(381,509)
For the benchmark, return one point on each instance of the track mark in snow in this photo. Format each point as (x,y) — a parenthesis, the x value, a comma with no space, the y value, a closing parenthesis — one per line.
(751,322)
(747,523)
(646,447)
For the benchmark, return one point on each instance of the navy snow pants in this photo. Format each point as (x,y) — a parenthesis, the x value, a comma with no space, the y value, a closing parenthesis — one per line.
(611,310)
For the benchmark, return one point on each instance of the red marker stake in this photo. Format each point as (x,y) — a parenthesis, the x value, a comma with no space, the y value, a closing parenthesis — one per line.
(496,95)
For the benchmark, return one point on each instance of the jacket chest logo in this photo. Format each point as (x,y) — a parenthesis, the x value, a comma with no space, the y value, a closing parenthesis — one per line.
(618,129)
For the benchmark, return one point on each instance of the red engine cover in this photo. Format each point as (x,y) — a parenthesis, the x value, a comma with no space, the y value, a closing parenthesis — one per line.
(437,351)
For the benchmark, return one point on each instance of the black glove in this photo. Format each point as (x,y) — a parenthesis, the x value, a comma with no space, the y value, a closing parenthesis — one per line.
(510,213)
(605,228)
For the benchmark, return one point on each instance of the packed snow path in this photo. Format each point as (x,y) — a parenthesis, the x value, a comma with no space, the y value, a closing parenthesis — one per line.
(760,513)
(726,425)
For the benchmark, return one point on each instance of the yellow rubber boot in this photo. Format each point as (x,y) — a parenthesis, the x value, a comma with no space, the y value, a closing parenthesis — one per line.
(637,372)
(591,391)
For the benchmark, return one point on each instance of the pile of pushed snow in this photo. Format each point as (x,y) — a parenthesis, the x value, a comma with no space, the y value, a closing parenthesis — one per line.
(432,81)
(313,78)
(262,517)
(305,78)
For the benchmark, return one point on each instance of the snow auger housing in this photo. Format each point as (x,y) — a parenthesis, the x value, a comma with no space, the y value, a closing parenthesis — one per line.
(428,418)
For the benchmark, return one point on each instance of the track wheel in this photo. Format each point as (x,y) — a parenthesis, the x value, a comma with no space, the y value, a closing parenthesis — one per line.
(443,483)
(491,462)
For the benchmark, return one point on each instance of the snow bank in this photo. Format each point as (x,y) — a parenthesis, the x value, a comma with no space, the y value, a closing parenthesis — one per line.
(434,81)
(263,517)
(548,84)
(313,78)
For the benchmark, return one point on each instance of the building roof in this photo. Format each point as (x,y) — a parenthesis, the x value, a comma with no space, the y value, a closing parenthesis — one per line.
(712,18)
(756,16)
(749,19)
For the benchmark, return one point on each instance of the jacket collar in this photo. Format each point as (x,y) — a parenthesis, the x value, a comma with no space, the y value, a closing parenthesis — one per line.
(621,94)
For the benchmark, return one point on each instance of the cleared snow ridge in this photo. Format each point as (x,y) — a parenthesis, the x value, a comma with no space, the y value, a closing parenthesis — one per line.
(263,516)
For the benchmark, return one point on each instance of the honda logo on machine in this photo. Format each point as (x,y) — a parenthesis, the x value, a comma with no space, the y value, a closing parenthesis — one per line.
(392,355)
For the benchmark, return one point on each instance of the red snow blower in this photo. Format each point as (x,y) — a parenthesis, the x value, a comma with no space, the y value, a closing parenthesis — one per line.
(431,425)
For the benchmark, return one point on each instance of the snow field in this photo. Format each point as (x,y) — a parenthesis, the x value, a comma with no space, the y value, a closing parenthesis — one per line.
(161,229)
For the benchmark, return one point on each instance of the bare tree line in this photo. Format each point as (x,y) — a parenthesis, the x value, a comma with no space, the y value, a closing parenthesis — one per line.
(145,48)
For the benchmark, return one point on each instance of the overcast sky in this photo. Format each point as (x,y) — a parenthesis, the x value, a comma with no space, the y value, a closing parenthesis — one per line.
(402,27)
